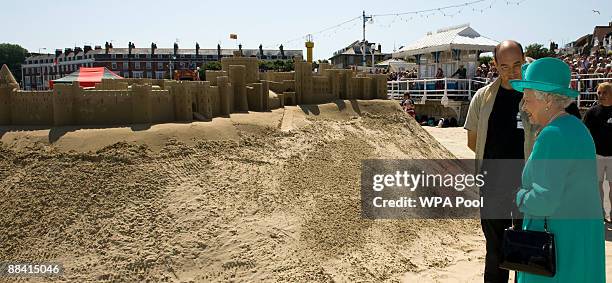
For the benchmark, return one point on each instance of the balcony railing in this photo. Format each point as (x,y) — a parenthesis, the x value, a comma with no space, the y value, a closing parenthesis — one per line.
(421,90)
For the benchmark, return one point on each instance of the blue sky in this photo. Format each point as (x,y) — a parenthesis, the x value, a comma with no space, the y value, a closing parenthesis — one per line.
(60,24)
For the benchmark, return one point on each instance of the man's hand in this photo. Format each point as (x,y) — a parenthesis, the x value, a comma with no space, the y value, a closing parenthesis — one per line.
(472,135)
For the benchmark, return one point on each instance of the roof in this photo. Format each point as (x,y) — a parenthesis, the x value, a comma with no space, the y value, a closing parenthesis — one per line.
(600,32)
(461,37)
(170,51)
(393,61)
(87,77)
(583,40)
(355,49)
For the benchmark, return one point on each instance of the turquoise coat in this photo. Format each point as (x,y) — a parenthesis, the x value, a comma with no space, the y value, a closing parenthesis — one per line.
(560,182)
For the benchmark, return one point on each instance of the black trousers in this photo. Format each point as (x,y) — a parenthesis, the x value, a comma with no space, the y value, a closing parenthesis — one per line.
(499,192)
(493,230)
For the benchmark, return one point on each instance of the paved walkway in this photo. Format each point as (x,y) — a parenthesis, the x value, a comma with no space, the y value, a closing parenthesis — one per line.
(454,139)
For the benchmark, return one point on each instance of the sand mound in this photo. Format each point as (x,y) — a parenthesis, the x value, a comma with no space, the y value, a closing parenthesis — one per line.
(261,196)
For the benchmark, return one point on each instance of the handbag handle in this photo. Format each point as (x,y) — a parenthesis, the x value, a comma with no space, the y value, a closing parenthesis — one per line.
(545,222)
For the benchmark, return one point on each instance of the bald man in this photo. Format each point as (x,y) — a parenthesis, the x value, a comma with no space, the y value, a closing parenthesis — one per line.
(498,129)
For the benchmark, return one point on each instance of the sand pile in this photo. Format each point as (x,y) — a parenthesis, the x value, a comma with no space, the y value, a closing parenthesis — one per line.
(272,196)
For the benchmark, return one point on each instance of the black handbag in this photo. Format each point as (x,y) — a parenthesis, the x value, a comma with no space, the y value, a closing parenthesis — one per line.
(529,251)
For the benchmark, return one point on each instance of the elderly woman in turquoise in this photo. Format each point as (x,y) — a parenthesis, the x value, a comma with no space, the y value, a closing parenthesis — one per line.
(559,181)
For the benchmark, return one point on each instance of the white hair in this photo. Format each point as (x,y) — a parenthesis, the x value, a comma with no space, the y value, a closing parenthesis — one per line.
(558,100)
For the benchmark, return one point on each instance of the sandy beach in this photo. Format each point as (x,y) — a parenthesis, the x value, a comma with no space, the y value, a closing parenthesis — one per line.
(255,197)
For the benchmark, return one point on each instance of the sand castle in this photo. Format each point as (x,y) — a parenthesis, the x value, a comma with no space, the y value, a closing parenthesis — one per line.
(238,87)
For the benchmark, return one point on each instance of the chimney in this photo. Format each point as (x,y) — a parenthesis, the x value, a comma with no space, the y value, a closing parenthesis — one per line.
(130,48)
(58,52)
(176,47)
(86,48)
(106,47)
(77,50)
(153,47)
(261,53)
(219,52)
(67,51)
(282,51)
(240,49)
(197,49)
(379,48)
(98,47)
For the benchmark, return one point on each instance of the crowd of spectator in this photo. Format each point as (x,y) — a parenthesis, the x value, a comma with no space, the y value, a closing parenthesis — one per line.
(581,66)
(589,71)
(589,66)
(401,76)
(487,71)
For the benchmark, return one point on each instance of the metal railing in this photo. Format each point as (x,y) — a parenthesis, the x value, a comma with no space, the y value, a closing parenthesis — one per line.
(421,90)
(435,89)
(588,90)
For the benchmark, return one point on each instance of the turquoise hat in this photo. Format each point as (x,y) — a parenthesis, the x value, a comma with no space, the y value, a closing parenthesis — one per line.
(547,75)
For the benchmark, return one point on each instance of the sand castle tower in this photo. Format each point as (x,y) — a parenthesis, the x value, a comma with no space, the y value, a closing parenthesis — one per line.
(8,85)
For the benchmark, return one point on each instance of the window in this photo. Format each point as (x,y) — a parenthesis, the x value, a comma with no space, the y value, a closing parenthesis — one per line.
(113,56)
(136,65)
(149,75)
(125,65)
(119,56)
(148,66)
(160,65)
(114,66)
(159,75)
(159,56)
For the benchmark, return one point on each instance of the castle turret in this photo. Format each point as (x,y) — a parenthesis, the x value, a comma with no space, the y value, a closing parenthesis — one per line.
(63,103)
(237,76)
(141,104)
(225,95)
(8,85)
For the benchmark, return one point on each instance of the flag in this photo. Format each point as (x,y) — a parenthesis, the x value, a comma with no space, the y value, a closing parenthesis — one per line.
(233,36)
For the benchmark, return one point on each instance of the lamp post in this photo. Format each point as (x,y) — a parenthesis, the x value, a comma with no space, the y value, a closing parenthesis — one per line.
(365,19)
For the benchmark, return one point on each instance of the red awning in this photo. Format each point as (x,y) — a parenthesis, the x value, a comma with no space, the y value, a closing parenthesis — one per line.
(87,77)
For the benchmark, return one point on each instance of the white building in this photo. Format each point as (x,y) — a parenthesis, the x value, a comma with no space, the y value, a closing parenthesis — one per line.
(447,48)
